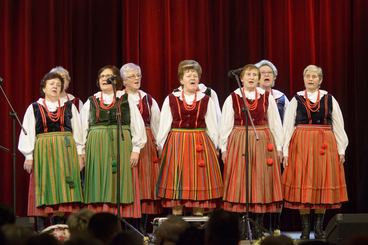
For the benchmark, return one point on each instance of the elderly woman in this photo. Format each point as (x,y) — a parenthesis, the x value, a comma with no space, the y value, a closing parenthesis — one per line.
(264,154)
(99,123)
(189,173)
(314,153)
(64,96)
(148,165)
(51,148)
(267,82)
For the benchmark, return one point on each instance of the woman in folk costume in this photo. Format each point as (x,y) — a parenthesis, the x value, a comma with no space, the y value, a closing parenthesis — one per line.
(99,124)
(314,153)
(267,82)
(51,148)
(264,154)
(189,172)
(64,96)
(148,165)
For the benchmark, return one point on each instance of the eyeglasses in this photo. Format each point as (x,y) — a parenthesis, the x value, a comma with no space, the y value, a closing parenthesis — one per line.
(134,76)
(267,73)
(107,76)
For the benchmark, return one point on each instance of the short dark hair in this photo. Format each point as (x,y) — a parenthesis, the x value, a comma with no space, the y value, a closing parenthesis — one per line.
(115,72)
(49,76)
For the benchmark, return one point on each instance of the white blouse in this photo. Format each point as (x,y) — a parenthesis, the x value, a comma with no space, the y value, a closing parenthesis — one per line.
(227,118)
(337,122)
(137,128)
(27,142)
(166,118)
(154,110)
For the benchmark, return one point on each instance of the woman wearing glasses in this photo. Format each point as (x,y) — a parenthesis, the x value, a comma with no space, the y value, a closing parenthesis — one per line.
(148,165)
(314,153)
(189,172)
(99,121)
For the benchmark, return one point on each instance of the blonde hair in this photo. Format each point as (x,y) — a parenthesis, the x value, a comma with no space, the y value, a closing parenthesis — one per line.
(187,65)
(315,68)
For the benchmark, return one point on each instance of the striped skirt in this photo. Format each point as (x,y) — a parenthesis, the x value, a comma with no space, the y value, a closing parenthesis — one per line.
(148,168)
(189,173)
(55,184)
(314,177)
(265,194)
(101,168)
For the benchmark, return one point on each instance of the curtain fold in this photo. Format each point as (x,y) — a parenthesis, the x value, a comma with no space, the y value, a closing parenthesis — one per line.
(83,36)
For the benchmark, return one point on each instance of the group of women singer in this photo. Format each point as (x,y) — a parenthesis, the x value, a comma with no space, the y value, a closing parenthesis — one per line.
(170,158)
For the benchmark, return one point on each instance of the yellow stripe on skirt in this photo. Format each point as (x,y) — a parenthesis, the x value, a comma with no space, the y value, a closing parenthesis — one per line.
(100,169)
(265,193)
(189,172)
(56,169)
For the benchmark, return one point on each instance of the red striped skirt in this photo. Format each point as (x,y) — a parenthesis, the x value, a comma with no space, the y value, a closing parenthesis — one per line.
(189,173)
(148,168)
(314,177)
(265,194)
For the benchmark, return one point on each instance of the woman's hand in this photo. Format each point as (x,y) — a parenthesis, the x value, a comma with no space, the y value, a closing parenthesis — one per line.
(223,156)
(134,157)
(81,159)
(279,156)
(342,159)
(28,165)
(285,161)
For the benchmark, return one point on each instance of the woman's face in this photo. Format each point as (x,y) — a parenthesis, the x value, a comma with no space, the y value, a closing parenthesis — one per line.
(102,80)
(52,88)
(267,77)
(132,81)
(190,81)
(250,79)
(311,81)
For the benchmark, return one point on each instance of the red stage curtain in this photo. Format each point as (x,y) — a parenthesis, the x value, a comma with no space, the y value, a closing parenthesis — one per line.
(85,35)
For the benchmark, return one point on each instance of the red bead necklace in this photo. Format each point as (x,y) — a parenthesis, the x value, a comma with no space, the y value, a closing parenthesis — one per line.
(53,116)
(106,107)
(312,107)
(252,105)
(186,106)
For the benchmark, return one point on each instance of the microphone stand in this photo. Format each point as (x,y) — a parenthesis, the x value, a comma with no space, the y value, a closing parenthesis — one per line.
(118,138)
(15,118)
(248,118)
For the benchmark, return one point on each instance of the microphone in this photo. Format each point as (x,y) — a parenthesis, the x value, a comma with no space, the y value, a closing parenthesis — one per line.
(234,72)
(111,80)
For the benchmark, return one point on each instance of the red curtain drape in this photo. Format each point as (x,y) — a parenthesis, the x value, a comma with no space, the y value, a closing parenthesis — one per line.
(85,35)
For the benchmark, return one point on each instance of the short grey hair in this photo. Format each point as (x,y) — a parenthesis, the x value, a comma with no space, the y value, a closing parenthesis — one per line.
(129,67)
(61,71)
(267,63)
(314,68)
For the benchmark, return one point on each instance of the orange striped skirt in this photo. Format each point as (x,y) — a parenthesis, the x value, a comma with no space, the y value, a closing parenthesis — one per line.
(314,177)
(148,168)
(265,194)
(189,173)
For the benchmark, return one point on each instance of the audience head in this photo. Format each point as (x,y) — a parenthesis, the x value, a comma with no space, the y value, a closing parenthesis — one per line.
(42,239)
(104,226)
(7,215)
(78,222)
(127,238)
(170,230)
(222,228)
(16,234)
(277,240)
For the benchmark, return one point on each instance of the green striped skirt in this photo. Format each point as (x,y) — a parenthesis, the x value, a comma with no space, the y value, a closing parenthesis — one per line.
(56,169)
(100,169)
